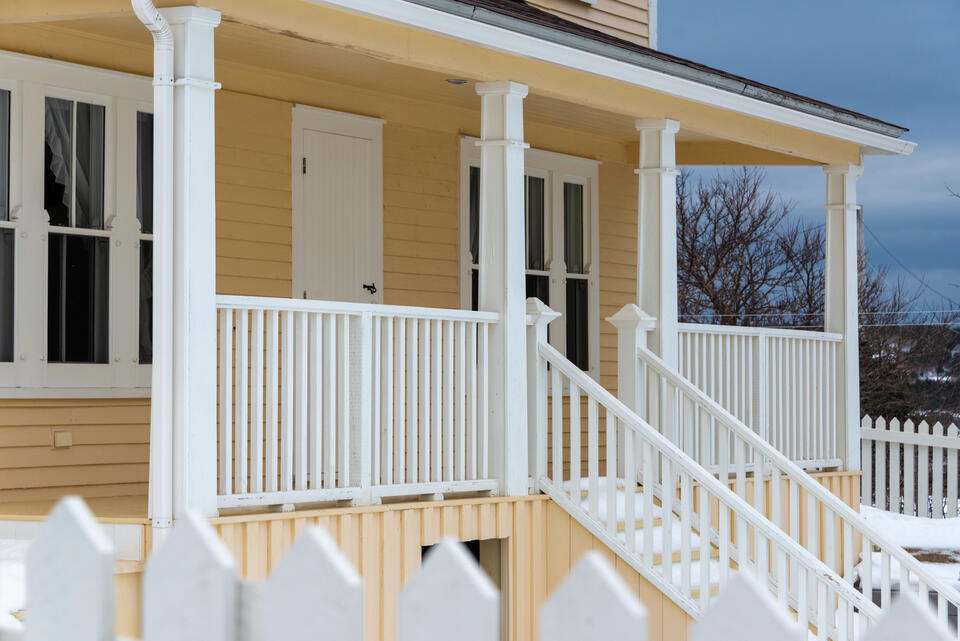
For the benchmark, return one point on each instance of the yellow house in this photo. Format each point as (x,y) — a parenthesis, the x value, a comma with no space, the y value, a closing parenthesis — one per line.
(279,263)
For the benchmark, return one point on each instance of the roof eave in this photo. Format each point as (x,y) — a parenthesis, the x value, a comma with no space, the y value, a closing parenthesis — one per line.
(515,36)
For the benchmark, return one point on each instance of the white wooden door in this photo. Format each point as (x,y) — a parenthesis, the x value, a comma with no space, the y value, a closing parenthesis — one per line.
(337,230)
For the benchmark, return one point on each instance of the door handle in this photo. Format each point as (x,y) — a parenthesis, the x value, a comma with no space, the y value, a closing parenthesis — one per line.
(372,287)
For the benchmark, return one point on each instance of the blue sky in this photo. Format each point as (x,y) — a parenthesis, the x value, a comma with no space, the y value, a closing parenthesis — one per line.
(894,60)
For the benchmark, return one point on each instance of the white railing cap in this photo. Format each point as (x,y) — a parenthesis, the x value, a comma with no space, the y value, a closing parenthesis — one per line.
(630,316)
(740,330)
(356,309)
(539,312)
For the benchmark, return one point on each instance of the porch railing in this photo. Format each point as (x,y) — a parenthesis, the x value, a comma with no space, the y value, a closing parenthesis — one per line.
(781,383)
(325,401)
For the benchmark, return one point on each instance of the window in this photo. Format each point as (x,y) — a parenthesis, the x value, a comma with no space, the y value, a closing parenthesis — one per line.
(7,236)
(75,229)
(78,265)
(145,216)
(560,229)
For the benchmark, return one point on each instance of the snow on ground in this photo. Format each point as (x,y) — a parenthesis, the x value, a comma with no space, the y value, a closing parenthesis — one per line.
(915,532)
(924,538)
(13,555)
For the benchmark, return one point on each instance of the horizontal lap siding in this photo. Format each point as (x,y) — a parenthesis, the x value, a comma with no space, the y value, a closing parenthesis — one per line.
(420,217)
(618,257)
(254,234)
(109,456)
(384,544)
(626,19)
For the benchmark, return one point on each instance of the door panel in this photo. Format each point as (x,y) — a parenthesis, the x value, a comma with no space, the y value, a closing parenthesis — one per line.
(338,232)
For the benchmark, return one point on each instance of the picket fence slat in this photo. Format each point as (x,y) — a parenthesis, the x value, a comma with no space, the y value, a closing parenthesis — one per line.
(927,482)
(70,583)
(313,588)
(470,609)
(592,603)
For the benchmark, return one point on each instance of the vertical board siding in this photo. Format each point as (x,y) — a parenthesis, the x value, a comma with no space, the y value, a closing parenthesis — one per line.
(626,19)
(108,457)
(384,543)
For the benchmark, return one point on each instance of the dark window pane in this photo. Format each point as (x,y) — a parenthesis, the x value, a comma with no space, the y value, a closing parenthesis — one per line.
(536,258)
(145,171)
(78,302)
(89,167)
(578,348)
(4,155)
(146,301)
(475,215)
(538,287)
(58,160)
(475,289)
(7,239)
(573,227)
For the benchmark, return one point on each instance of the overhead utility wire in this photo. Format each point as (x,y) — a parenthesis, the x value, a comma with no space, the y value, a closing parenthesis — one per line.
(925,284)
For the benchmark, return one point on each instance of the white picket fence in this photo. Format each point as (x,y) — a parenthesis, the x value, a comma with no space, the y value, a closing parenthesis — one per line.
(191,592)
(324,401)
(910,468)
(782,383)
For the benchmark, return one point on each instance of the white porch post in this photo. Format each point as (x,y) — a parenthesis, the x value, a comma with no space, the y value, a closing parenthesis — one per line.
(841,298)
(194,352)
(657,233)
(502,284)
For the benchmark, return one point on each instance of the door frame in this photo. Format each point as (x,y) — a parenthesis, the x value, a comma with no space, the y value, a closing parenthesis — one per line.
(343,124)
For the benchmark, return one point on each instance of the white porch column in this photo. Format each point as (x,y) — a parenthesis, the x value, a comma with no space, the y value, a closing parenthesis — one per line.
(502,281)
(841,298)
(194,263)
(657,233)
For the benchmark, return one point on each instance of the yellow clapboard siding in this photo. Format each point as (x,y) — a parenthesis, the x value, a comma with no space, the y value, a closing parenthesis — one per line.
(385,544)
(12,458)
(15,437)
(110,448)
(626,19)
(74,477)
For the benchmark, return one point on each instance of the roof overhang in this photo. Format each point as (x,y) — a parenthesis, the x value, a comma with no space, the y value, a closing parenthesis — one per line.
(465,23)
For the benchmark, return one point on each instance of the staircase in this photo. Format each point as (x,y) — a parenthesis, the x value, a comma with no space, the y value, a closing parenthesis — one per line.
(674,496)
(667,516)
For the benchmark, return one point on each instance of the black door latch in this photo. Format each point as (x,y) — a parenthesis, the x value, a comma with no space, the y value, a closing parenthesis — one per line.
(372,287)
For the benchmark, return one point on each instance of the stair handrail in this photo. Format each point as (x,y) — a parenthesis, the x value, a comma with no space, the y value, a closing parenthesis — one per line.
(698,473)
(802,478)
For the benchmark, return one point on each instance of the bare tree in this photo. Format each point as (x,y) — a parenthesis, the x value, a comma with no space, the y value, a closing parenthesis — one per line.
(742,262)
(729,230)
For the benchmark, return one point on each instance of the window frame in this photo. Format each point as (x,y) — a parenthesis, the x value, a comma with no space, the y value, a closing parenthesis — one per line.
(557,169)
(31,80)
(15,210)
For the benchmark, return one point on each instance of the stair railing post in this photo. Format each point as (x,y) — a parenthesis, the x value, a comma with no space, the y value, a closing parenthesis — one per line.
(538,317)
(633,326)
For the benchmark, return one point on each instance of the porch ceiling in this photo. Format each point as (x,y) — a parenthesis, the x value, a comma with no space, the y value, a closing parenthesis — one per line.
(311,46)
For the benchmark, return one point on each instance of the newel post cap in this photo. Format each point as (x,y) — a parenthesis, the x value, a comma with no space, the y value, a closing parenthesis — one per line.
(502,88)
(539,313)
(632,317)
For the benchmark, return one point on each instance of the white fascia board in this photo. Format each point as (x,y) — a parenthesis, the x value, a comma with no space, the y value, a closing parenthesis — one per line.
(470,31)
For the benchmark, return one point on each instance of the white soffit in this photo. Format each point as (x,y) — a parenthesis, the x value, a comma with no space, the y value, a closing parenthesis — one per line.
(464,29)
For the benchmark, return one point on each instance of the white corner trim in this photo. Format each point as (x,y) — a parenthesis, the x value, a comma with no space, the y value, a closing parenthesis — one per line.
(653,22)
(470,31)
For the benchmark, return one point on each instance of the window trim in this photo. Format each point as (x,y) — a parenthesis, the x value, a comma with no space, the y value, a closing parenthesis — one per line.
(31,80)
(557,168)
